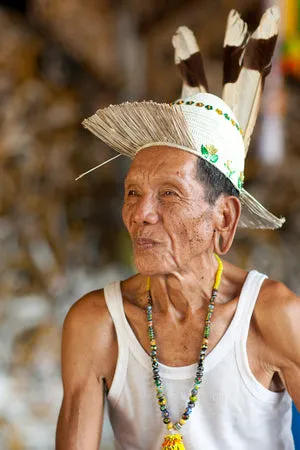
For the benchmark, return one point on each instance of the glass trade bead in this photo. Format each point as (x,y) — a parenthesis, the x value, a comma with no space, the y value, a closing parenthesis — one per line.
(155,371)
(182,421)
(162,402)
(179,102)
(205,341)
(177,426)
(170,426)
(154,363)
(185,416)
(226,116)
(166,420)
(152,342)
(193,398)
(194,391)
(200,104)
(157,382)
(165,413)
(154,347)
(191,404)
(163,408)
(209,107)
(190,102)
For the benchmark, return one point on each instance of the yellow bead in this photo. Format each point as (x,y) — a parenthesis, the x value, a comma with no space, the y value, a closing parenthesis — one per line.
(170,426)
(182,421)
(148,284)
(153,342)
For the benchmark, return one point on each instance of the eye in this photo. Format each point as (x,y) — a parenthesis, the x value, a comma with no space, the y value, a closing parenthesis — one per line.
(132,193)
(168,193)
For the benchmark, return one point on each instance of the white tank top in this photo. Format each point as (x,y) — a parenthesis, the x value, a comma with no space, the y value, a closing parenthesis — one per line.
(233,412)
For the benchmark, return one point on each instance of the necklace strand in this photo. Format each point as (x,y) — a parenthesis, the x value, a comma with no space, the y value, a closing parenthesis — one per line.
(161,397)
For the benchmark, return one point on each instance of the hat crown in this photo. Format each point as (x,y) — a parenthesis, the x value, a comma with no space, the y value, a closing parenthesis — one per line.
(216,134)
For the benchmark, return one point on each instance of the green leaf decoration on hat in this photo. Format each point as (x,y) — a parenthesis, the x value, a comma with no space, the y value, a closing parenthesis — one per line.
(204,151)
(241,180)
(210,152)
(229,169)
(213,153)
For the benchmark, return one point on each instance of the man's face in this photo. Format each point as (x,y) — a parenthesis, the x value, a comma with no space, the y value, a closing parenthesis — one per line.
(165,211)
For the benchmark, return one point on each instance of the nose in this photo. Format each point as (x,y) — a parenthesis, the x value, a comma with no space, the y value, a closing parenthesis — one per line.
(145,211)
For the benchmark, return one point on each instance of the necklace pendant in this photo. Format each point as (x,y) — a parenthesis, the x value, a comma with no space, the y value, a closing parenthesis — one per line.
(173,442)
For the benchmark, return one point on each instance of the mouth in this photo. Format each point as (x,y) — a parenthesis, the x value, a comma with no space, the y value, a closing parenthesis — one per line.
(144,244)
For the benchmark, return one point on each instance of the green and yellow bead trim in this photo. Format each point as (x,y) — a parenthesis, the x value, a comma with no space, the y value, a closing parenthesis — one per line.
(209,108)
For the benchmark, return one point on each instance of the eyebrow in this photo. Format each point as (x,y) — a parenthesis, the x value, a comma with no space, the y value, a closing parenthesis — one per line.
(169,179)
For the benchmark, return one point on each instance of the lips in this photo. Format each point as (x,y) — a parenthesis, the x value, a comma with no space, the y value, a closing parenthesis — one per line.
(144,243)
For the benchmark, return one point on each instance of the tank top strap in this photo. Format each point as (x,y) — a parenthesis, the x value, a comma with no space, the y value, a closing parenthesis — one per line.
(248,298)
(114,303)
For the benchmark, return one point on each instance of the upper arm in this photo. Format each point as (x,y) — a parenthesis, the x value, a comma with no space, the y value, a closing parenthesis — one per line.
(280,327)
(86,333)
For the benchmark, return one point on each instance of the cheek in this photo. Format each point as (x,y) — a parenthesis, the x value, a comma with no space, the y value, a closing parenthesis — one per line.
(190,234)
(125,216)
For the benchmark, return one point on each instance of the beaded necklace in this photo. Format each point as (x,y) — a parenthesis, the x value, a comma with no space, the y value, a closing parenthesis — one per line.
(174,441)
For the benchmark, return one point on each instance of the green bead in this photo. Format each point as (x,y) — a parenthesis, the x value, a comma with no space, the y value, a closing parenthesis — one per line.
(193,398)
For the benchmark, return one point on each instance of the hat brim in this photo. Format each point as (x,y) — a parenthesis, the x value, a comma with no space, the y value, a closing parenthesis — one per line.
(128,127)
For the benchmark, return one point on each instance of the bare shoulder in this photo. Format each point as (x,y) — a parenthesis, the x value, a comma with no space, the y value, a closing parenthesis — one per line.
(276,298)
(89,312)
(277,316)
(89,338)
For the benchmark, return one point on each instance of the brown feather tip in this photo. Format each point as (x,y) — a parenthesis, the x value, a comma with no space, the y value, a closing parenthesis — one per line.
(189,60)
(236,38)
(261,46)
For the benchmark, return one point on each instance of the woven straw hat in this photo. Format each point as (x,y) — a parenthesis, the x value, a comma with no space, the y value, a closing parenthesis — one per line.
(202,124)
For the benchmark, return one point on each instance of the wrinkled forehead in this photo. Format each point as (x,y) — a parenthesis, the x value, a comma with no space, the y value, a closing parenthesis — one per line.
(163,161)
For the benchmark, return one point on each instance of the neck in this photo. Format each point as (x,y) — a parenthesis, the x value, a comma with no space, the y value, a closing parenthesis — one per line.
(184,291)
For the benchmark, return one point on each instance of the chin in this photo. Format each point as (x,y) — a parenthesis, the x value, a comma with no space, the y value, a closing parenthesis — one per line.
(152,265)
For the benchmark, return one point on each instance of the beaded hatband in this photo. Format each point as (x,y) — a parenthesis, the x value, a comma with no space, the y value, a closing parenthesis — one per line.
(174,441)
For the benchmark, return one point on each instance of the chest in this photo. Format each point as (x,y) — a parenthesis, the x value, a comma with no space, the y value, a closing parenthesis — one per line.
(179,341)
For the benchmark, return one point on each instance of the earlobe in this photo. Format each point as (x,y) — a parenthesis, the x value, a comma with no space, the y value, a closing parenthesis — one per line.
(229,214)
(219,244)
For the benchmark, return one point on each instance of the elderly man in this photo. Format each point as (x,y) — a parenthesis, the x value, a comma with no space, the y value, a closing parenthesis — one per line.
(180,210)
(191,352)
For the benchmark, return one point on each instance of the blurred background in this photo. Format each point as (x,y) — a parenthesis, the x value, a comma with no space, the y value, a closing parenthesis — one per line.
(59,62)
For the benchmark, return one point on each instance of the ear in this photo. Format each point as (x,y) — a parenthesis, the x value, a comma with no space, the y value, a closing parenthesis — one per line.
(228,211)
